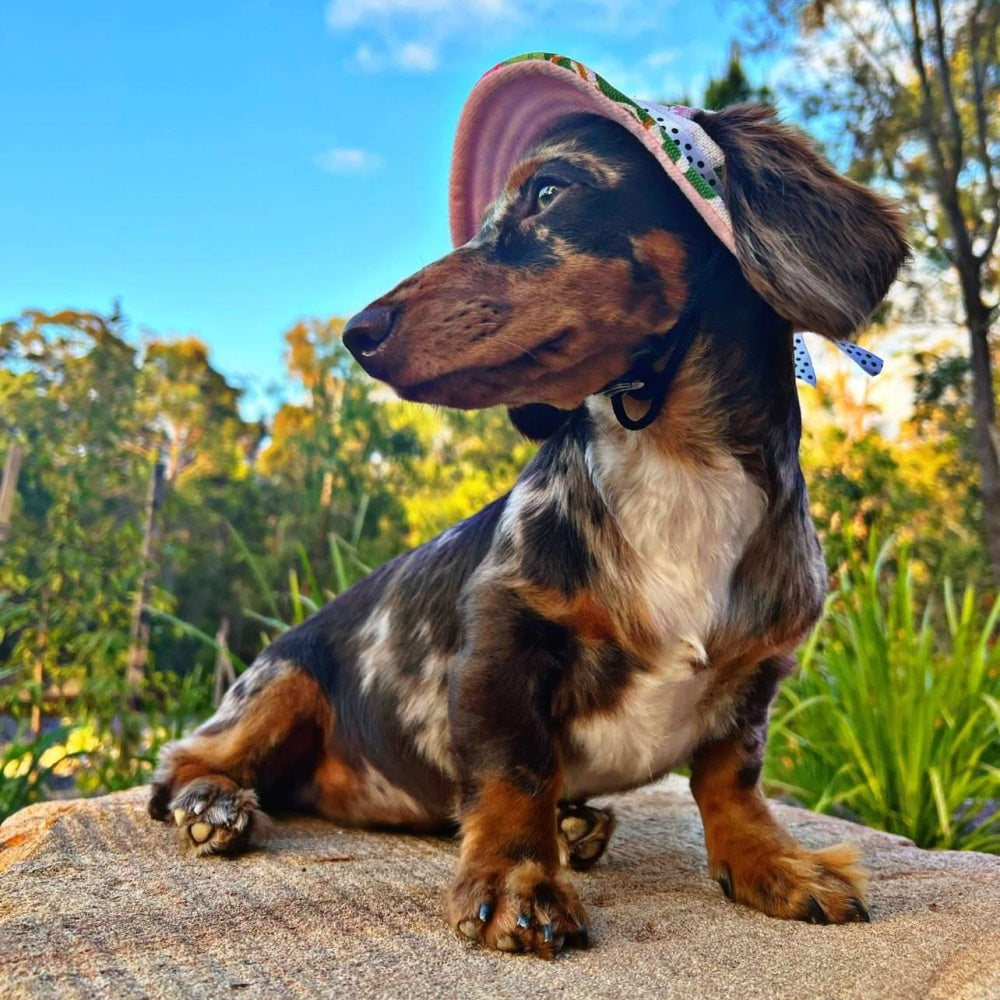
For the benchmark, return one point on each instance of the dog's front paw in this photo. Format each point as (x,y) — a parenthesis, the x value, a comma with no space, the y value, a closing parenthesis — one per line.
(213,815)
(517,906)
(822,887)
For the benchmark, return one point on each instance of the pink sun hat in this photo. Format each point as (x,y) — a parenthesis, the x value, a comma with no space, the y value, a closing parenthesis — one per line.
(517,102)
(514,104)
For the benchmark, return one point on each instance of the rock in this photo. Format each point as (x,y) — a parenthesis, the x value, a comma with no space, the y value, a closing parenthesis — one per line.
(96,902)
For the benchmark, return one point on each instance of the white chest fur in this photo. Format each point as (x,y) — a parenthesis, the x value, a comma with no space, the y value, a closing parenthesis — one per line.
(686,525)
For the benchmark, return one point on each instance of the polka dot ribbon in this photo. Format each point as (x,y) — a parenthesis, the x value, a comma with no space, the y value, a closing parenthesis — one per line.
(869,363)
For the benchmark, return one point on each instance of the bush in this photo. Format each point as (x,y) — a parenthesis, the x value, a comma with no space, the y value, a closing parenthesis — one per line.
(97,751)
(26,765)
(894,718)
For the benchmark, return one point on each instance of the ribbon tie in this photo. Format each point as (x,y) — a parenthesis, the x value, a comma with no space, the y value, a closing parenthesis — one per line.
(870,364)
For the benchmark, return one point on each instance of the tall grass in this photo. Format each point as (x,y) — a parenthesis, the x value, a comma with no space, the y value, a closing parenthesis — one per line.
(347,567)
(894,718)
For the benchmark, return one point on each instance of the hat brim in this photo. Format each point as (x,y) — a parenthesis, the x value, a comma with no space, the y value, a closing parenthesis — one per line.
(517,102)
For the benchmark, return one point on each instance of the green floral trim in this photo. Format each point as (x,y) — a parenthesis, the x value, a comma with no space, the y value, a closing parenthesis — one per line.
(698,183)
(635,109)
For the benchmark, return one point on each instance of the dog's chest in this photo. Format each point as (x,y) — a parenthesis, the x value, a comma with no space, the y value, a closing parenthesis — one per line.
(684,529)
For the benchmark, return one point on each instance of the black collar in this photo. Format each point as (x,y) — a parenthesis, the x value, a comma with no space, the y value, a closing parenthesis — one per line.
(644,381)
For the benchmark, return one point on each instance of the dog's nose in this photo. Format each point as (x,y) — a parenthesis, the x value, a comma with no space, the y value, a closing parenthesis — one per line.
(367,330)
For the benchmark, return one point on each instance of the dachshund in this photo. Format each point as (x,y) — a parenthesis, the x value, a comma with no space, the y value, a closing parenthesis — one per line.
(631,605)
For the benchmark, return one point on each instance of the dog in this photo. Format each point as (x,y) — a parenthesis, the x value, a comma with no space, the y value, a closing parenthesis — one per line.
(632,604)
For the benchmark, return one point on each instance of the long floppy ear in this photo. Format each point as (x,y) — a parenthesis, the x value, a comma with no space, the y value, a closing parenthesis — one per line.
(819,248)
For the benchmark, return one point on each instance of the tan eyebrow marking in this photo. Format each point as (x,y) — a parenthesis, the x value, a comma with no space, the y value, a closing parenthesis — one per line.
(602,170)
(522,172)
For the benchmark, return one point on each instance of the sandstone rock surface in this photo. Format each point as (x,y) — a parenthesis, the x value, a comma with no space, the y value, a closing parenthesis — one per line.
(96,902)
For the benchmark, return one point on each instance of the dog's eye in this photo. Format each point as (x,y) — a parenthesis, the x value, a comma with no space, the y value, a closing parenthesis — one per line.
(546,195)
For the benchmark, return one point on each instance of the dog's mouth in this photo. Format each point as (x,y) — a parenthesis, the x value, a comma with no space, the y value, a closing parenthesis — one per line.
(546,373)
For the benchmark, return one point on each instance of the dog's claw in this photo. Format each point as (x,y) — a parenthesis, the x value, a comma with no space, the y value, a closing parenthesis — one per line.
(484,912)
(817,915)
(524,920)
(547,933)
(214,816)
(859,908)
(726,884)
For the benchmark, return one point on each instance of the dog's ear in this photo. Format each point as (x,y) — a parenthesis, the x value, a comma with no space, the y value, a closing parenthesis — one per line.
(537,421)
(819,248)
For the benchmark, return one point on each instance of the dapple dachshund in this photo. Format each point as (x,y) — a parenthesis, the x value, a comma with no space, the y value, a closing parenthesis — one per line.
(632,604)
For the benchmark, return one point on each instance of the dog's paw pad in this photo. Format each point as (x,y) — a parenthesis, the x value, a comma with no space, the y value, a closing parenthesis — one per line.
(200,832)
(214,817)
(584,833)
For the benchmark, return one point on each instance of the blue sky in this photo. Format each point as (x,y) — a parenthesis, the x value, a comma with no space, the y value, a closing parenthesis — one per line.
(226,168)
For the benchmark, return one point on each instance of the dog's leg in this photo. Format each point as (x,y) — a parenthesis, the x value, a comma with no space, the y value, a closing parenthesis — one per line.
(584,833)
(508,892)
(756,861)
(266,738)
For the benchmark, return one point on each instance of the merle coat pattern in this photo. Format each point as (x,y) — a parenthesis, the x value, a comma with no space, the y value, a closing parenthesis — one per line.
(632,604)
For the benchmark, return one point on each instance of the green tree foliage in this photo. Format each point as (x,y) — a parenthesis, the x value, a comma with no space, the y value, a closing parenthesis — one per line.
(909,95)
(734,86)
(255,519)
(92,420)
(67,395)
(914,481)
(191,415)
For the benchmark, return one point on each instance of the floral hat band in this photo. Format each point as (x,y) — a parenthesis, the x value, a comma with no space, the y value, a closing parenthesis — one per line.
(518,101)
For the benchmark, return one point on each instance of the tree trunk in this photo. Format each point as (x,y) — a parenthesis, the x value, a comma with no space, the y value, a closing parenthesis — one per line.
(225,675)
(984,427)
(138,651)
(38,675)
(8,487)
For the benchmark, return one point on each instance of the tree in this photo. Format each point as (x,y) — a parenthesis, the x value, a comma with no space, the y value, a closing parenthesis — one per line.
(192,413)
(910,481)
(67,397)
(913,89)
(734,87)
(349,447)
(78,570)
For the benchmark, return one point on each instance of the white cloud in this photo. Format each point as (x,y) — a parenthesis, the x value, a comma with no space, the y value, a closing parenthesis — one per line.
(349,161)
(367,59)
(415,57)
(664,57)
(352,13)
(412,34)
